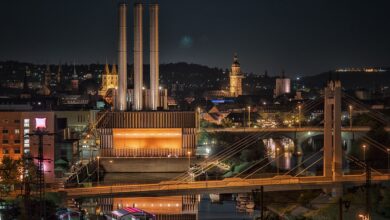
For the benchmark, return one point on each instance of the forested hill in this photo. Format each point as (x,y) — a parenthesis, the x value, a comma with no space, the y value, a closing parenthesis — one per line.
(350,80)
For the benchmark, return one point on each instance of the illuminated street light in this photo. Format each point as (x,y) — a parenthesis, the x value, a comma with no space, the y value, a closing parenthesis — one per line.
(350,116)
(277,161)
(388,160)
(98,170)
(249,116)
(199,117)
(189,159)
(299,115)
(364,152)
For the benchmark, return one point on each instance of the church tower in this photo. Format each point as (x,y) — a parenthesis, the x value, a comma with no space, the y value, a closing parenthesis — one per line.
(236,78)
(75,79)
(45,90)
(109,80)
(58,75)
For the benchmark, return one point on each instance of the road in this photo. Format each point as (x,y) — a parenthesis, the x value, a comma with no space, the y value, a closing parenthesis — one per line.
(303,129)
(274,184)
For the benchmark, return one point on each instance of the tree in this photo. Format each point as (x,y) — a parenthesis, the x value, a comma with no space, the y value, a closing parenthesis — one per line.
(10,174)
(227,123)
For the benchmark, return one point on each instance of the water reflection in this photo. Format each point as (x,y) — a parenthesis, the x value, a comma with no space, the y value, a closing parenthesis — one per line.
(280,146)
(183,207)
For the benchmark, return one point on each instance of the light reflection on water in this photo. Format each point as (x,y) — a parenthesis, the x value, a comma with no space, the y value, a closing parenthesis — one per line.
(286,148)
(182,207)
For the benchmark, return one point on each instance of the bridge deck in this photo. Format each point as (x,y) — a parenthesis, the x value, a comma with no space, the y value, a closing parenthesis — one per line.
(302,129)
(171,186)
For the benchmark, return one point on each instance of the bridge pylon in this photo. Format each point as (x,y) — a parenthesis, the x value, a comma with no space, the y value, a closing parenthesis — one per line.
(332,130)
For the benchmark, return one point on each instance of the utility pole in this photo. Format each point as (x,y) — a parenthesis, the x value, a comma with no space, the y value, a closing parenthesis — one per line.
(262,202)
(368,185)
(340,209)
(342,202)
(388,160)
(41,132)
(255,193)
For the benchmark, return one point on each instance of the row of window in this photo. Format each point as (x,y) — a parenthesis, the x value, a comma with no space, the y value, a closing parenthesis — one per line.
(6,131)
(16,121)
(7,141)
(8,151)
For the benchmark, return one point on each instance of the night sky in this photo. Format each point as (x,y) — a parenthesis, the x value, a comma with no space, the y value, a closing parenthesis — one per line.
(301,36)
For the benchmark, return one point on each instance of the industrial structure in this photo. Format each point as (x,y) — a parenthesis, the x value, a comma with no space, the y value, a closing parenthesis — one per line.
(139,126)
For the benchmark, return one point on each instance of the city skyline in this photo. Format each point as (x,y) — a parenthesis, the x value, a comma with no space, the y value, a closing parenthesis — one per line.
(302,38)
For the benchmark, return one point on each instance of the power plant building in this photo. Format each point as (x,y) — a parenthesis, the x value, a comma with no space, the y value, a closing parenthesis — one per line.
(139,128)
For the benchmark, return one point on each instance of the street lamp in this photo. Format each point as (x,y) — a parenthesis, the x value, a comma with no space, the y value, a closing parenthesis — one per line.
(388,160)
(350,116)
(299,115)
(277,160)
(364,152)
(199,117)
(189,159)
(98,170)
(249,116)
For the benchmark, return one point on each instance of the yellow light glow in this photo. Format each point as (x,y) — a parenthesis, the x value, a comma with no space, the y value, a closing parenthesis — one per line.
(147,138)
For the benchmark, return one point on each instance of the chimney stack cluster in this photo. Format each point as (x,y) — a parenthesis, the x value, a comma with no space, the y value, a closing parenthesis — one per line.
(154,95)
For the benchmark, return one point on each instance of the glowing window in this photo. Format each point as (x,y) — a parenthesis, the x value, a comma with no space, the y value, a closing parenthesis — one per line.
(40,123)
(26,123)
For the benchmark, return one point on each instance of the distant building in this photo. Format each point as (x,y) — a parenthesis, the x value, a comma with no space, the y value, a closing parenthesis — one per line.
(45,90)
(109,80)
(282,86)
(236,78)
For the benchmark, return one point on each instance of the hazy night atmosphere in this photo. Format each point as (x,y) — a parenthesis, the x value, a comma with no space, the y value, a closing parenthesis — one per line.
(195,110)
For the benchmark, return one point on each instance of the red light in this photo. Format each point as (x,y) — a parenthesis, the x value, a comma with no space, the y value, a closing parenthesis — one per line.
(40,123)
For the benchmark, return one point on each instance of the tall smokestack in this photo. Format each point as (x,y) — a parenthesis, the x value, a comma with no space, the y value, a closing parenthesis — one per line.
(138,56)
(154,56)
(121,103)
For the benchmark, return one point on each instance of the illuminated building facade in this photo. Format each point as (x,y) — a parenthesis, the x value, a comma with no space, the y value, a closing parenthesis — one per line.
(282,86)
(147,134)
(15,141)
(236,77)
(109,80)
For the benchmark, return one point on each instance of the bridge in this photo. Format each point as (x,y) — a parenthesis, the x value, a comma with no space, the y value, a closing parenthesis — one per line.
(288,129)
(277,183)
(331,156)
